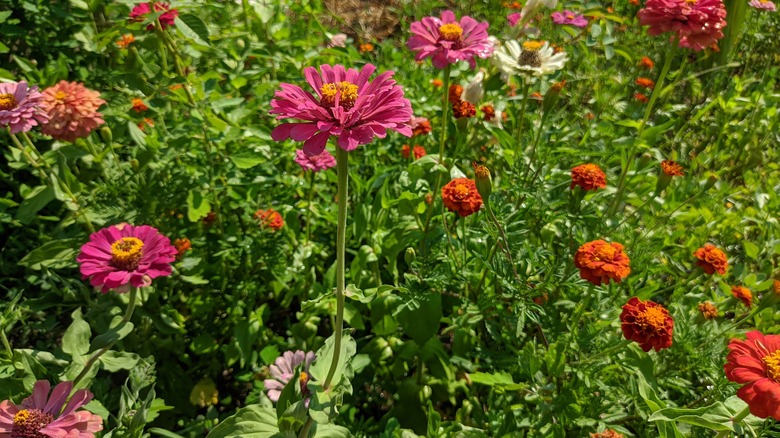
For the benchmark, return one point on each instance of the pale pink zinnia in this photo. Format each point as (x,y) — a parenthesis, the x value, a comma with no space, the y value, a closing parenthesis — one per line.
(20,107)
(72,110)
(447,41)
(763,4)
(123,255)
(283,370)
(168,17)
(697,23)
(569,18)
(42,415)
(316,163)
(346,105)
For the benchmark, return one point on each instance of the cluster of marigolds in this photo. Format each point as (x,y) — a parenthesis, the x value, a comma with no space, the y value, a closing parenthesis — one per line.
(353,109)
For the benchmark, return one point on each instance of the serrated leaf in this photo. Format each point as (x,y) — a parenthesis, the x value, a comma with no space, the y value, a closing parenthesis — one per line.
(197,206)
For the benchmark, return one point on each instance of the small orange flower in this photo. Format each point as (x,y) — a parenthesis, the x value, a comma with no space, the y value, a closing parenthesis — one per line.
(455,93)
(672,168)
(139,106)
(145,122)
(421,128)
(437,83)
(647,323)
(513,5)
(270,218)
(536,95)
(590,116)
(488,112)
(461,196)
(708,310)
(607,433)
(646,63)
(182,245)
(463,109)
(175,87)
(600,261)
(634,2)
(512,91)
(776,287)
(558,86)
(743,294)
(125,41)
(711,259)
(418,151)
(610,9)
(405,151)
(588,177)
(645,83)
(366,47)
(641,97)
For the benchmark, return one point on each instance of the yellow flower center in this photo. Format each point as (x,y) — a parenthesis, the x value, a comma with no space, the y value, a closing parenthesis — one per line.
(451,32)
(60,95)
(7,101)
(533,46)
(27,423)
(570,16)
(651,317)
(347,92)
(127,253)
(772,362)
(690,2)
(461,191)
(605,253)
(481,171)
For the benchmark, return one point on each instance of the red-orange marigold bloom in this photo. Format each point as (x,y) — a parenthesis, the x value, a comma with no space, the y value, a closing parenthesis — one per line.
(646,63)
(600,261)
(672,168)
(455,92)
(366,47)
(647,323)
(405,151)
(182,245)
(756,363)
(463,109)
(437,83)
(776,287)
(743,294)
(420,126)
(588,176)
(645,82)
(125,41)
(634,2)
(139,106)
(418,151)
(711,259)
(488,112)
(607,433)
(270,218)
(641,97)
(144,123)
(461,196)
(708,310)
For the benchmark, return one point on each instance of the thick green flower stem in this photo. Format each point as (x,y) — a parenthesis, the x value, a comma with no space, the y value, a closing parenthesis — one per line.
(309,197)
(96,355)
(33,162)
(445,106)
(6,344)
(341,236)
(737,418)
(521,118)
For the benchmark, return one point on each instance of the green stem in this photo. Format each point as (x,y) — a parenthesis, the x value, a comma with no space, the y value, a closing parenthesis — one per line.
(6,344)
(442,139)
(308,206)
(306,427)
(521,118)
(342,166)
(503,236)
(737,418)
(33,162)
(95,356)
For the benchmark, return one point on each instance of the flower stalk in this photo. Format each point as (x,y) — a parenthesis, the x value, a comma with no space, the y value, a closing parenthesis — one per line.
(445,105)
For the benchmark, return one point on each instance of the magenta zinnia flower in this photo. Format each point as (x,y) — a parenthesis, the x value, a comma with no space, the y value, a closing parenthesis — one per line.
(41,415)
(20,107)
(316,163)
(762,4)
(123,255)
(283,370)
(72,110)
(447,41)
(166,19)
(569,18)
(697,23)
(346,105)
(513,18)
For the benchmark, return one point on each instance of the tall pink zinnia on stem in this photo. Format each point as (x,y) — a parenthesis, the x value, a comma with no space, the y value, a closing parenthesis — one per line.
(123,255)
(72,110)
(448,41)
(168,17)
(316,163)
(346,105)
(20,107)
(697,23)
(41,415)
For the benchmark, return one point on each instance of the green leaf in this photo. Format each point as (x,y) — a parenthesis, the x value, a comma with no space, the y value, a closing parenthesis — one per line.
(331,431)
(248,159)
(113,334)
(75,342)
(319,369)
(197,206)
(751,249)
(715,416)
(253,421)
(54,254)
(38,198)
(136,134)
(420,317)
(114,361)
(194,28)
(501,380)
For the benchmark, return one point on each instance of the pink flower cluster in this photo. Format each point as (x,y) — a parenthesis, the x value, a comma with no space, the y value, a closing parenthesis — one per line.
(72,110)
(446,40)
(697,24)
(765,5)
(315,163)
(168,17)
(20,107)
(569,18)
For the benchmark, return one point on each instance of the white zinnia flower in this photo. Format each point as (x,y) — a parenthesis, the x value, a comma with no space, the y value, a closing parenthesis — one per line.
(532,58)
(531,6)
(474,90)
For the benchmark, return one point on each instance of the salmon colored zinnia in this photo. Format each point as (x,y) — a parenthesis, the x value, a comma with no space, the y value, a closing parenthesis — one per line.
(647,323)
(270,218)
(742,293)
(755,362)
(600,261)
(588,177)
(711,259)
(72,109)
(461,196)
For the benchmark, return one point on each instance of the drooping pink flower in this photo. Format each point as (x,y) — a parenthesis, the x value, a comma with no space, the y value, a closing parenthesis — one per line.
(447,41)
(346,105)
(123,255)
(168,17)
(316,163)
(513,18)
(766,5)
(72,110)
(697,23)
(283,370)
(20,107)
(568,17)
(41,415)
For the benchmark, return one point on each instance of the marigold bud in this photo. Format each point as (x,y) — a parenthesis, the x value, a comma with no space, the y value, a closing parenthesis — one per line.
(410,256)
(106,135)
(484,181)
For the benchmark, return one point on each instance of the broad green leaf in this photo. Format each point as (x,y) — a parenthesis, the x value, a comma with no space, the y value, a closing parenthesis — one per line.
(250,422)
(113,334)
(751,249)
(420,317)
(194,28)
(54,254)
(38,198)
(197,206)
(500,380)
(114,361)
(75,342)
(248,159)
(715,416)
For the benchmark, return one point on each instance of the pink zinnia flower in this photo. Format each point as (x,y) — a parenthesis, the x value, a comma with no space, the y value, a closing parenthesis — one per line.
(20,107)
(316,163)
(166,19)
(346,105)
(513,18)
(448,41)
(697,23)
(41,415)
(72,110)
(762,4)
(283,370)
(569,18)
(122,254)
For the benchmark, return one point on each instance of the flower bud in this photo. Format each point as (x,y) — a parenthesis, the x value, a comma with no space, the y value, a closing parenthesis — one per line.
(410,256)
(711,180)
(483,180)
(106,135)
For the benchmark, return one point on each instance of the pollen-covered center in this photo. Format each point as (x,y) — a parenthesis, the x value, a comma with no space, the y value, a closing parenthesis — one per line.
(27,423)
(7,101)
(347,92)
(772,362)
(652,317)
(530,55)
(126,253)
(461,191)
(451,32)
(60,95)
(605,253)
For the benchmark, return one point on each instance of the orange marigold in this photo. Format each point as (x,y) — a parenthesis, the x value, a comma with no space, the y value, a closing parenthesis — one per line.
(646,63)
(463,109)
(743,294)
(366,47)
(461,196)
(405,151)
(708,310)
(144,123)
(139,106)
(488,112)
(607,433)
(672,168)
(270,218)
(600,261)
(645,82)
(418,151)
(641,97)
(776,287)
(711,259)
(454,93)
(634,2)
(588,177)
(437,83)
(647,323)
(125,41)
(182,245)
